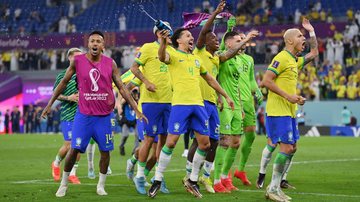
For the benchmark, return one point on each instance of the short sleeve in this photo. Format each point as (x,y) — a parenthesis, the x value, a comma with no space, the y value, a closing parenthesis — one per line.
(275,65)
(143,55)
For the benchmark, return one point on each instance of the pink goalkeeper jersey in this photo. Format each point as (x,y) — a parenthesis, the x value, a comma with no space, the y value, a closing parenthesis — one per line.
(95,85)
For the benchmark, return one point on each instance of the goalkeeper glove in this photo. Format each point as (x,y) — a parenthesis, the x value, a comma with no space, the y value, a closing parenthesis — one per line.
(259,96)
(231,23)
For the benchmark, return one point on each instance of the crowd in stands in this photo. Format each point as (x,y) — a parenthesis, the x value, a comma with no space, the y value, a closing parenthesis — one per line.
(53,59)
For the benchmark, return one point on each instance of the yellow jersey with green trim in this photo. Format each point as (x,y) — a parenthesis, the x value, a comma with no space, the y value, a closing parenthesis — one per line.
(185,70)
(211,63)
(156,72)
(286,67)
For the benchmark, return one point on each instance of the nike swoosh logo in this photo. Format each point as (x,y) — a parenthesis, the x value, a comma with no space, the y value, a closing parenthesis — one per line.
(181,60)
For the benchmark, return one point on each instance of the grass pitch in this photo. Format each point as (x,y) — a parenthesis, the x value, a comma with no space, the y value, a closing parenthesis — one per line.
(324,169)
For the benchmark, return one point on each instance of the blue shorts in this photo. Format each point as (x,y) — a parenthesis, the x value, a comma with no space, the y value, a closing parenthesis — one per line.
(113,122)
(158,116)
(140,131)
(97,127)
(66,129)
(184,117)
(282,129)
(214,121)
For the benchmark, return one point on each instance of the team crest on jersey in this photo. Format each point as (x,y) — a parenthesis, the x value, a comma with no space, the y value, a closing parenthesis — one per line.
(227,126)
(290,136)
(275,64)
(154,128)
(138,55)
(176,127)
(197,63)
(207,123)
(78,142)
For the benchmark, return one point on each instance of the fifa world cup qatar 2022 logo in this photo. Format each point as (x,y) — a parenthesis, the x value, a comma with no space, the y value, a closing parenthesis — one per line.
(94,77)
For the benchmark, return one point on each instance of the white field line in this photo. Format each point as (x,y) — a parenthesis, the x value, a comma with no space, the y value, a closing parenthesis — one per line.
(182,169)
(178,189)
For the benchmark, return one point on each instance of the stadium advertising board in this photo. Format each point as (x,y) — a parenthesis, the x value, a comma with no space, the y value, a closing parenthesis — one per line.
(37,92)
(136,38)
(317,131)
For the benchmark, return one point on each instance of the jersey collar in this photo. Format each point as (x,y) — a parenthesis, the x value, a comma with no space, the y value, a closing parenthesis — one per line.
(293,56)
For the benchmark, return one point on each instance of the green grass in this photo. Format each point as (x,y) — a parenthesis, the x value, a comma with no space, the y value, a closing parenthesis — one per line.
(325,169)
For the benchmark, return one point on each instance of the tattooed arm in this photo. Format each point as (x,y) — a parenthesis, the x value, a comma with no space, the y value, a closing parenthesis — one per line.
(314,52)
(233,51)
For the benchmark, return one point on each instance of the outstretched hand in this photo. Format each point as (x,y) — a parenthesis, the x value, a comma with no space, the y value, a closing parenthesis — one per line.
(306,24)
(252,34)
(220,7)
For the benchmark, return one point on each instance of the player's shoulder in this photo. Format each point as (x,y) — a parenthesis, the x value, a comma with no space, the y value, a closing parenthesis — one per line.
(248,57)
(148,46)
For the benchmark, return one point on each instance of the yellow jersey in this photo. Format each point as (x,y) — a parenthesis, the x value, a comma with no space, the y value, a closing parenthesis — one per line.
(285,66)
(351,92)
(156,72)
(211,63)
(185,70)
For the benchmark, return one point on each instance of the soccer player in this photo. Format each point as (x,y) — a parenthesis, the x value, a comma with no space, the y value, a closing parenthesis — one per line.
(206,46)
(187,109)
(156,94)
(231,122)
(95,73)
(248,87)
(281,80)
(69,98)
(150,163)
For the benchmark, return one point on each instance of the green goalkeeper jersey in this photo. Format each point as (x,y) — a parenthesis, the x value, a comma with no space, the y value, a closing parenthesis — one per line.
(247,83)
(229,77)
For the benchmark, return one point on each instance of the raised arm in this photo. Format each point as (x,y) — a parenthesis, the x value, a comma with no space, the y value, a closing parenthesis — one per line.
(216,86)
(125,92)
(233,51)
(314,52)
(162,54)
(230,26)
(59,88)
(207,27)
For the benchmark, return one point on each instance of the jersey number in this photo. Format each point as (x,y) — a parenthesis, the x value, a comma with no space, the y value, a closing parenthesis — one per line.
(109,138)
(191,71)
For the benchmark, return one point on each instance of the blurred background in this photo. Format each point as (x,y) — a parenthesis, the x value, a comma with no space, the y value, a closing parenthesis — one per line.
(35,35)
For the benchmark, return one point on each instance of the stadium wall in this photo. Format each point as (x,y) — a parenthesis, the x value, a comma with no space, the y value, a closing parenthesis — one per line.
(328,113)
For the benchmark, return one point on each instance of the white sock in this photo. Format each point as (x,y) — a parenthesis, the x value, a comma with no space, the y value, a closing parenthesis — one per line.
(287,168)
(217,181)
(278,170)
(140,169)
(265,159)
(207,168)
(90,156)
(65,178)
(73,170)
(164,160)
(57,161)
(102,179)
(198,160)
(189,166)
